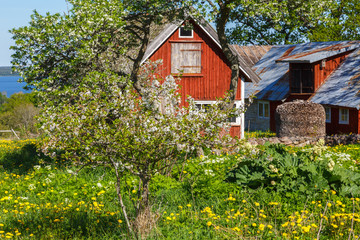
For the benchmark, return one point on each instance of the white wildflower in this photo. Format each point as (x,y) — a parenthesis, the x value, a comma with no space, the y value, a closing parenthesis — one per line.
(37,167)
(209,172)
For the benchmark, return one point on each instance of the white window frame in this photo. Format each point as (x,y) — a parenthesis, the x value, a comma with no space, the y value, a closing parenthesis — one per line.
(258,110)
(346,114)
(328,120)
(237,103)
(192,33)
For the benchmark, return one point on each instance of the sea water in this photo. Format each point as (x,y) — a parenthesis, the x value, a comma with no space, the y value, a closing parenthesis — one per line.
(10,85)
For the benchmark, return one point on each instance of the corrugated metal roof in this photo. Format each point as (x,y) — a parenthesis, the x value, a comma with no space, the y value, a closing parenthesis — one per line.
(274,84)
(342,88)
(315,55)
(251,54)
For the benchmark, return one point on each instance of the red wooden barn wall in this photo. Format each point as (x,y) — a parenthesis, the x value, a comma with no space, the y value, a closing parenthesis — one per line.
(273,106)
(358,122)
(213,81)
(334,127)
(320,74)
(235,131)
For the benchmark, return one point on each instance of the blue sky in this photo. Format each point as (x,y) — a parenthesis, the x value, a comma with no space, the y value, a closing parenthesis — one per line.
(16,13)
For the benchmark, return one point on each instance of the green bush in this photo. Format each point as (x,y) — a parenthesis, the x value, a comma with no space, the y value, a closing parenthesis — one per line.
(279,168)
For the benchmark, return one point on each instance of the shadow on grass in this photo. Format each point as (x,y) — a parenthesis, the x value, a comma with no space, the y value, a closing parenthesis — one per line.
(21,160)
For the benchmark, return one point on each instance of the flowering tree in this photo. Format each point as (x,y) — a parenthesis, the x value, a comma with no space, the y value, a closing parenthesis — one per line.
(106,124)
(99,106)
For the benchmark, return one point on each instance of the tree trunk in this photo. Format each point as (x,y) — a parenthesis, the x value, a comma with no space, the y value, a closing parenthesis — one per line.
(145,220)
(221,21)
(144,202)
(118,191)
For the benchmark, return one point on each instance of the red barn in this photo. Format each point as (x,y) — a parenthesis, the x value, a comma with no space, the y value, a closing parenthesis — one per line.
(327,73)
(197,54)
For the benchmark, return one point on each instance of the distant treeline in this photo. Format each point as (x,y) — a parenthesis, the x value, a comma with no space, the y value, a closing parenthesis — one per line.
(7,71)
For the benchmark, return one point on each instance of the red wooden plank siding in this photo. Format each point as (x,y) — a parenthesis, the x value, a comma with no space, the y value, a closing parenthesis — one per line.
(334,127)
(273,106)
(320,74)
(235,131)
(213,81)
(358,132)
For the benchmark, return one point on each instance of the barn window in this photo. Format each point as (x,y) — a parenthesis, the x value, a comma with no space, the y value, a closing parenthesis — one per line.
(302,80)
(327,114)
(343,116)
(263,110)
(205,104)
(186,57)
(185,32)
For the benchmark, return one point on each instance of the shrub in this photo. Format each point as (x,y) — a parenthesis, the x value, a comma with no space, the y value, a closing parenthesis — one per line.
(276,167)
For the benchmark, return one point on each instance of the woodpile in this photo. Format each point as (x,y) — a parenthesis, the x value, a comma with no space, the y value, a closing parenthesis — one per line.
(300,119)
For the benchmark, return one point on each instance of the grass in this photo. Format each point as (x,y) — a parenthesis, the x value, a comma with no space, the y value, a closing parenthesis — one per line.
(47,200)
(259,134)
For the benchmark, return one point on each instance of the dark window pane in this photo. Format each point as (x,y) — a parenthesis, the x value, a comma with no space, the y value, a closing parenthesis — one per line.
(185,32)
(296,81)
(266,110)
(302,80)
(232,119)
(261,110)
(307,81)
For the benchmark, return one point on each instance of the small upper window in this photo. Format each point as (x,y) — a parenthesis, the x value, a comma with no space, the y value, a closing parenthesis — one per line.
(343,116)
(185,32)
(327,114)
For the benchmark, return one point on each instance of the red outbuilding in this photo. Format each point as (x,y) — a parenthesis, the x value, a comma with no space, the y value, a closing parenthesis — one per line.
(327,73)
(196,54)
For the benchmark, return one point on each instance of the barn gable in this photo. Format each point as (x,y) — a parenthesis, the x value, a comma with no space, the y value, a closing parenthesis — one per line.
(171,28)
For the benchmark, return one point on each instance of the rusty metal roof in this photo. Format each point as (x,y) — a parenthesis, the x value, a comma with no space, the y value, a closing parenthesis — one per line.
(342,88)
(318,54)
(251,54)
(273,85)
(273,71)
